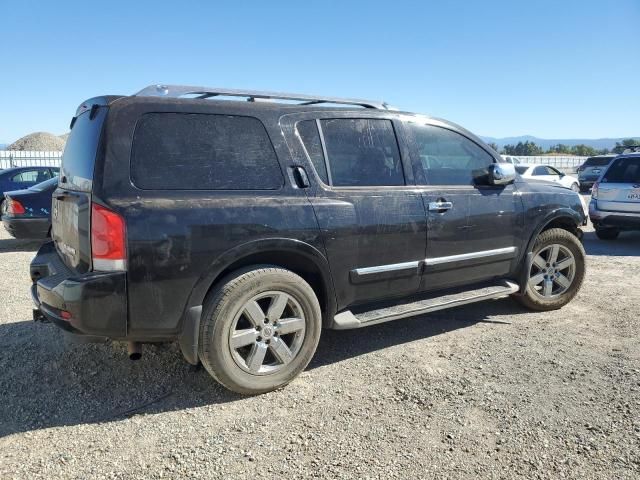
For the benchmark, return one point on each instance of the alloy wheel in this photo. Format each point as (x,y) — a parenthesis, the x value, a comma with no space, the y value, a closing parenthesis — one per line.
(267,333)
(552,271)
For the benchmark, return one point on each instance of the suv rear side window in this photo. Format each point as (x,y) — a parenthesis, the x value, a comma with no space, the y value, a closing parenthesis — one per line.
(597,162)
(447,157)
(362,152)
(178,151)
(308,132)
(624,170)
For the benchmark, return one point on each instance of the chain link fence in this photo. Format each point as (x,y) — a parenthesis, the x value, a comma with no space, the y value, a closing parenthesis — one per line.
(19,158)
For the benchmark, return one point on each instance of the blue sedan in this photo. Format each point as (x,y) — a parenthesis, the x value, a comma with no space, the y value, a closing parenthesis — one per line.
(19,178)
(27,213)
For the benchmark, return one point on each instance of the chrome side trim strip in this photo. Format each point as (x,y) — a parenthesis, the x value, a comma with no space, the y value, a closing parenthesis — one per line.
(386,268)
(469,256)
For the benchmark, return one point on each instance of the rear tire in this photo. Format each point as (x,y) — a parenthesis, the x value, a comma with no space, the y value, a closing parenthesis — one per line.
(607,233)
(260,328)
(557,271)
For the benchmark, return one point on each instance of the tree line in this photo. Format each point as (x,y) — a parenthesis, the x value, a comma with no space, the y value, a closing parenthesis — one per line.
(530,148)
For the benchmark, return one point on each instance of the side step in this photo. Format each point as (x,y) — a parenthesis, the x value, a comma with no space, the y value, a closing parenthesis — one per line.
(347,319)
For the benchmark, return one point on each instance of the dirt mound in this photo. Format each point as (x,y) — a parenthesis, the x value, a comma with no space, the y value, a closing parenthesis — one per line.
(38,141)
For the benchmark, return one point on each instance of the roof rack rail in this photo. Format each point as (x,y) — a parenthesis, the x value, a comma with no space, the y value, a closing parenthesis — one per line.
(176,91)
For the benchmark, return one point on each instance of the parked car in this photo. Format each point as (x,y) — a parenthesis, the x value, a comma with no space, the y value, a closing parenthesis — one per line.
(548,174)
(615,198)
(240,229)
(27,213)
(19,178)
(510,159)
(591,169)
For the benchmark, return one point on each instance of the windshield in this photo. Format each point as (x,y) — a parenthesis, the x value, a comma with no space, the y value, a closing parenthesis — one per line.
(51,183)
(624,170)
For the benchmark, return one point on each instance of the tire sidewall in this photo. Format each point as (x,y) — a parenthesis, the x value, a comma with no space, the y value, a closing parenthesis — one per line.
(220,314)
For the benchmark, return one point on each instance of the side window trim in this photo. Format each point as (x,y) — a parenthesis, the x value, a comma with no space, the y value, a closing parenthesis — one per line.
(324,152)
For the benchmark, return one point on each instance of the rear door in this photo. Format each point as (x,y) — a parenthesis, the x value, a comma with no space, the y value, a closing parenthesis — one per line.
(71,205)
(619,188)
(371,219)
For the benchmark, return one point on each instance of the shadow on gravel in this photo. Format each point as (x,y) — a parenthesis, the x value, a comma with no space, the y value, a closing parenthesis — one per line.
(338,345)
(626,245)
(47,381)
(19,245)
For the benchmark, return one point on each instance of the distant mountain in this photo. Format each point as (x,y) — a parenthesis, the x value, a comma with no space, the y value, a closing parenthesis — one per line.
(597,143)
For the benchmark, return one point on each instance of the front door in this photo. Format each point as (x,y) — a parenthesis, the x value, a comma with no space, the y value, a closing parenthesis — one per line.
(472,231)
(372,223)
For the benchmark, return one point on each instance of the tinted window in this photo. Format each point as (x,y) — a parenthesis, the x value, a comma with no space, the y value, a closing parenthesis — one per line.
(522,169)
(79,155)
(308,132)
(362,152)
(597,162)
(176,151)
(448,158)
(540,171)
(624,170)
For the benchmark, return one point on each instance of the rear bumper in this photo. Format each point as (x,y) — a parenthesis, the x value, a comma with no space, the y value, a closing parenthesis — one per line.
(95,302)
(27,227)
(620,220)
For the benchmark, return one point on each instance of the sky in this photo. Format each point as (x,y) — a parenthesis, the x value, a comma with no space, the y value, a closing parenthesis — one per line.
(553,69)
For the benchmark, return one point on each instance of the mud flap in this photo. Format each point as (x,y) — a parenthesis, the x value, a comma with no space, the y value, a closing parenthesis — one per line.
(190,333)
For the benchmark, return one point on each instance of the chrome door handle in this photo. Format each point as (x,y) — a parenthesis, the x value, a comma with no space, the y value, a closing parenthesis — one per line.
(440,206)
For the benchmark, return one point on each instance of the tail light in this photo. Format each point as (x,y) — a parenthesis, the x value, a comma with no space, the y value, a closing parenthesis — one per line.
(14,207)
(594,191)
(108,240)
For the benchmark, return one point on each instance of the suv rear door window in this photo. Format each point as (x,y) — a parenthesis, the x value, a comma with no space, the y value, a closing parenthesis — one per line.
(447,157)
(310,137)
(362,152)
(177,151)
(624,170)
(597,162)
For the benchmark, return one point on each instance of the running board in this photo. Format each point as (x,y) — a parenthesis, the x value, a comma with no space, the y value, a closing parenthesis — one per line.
(347,319)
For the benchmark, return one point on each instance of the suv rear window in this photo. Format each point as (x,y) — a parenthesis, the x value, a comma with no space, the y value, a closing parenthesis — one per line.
(597,162)
(623,170)
(178,151)
(79,155)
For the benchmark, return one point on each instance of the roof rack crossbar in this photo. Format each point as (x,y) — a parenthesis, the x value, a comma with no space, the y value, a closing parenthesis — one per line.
(176,91)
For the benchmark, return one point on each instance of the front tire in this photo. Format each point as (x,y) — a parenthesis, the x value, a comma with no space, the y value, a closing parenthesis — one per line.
(557,271)
(259,330)
(607,233)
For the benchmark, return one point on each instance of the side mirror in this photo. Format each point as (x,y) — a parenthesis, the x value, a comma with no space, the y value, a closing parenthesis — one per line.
(501,173)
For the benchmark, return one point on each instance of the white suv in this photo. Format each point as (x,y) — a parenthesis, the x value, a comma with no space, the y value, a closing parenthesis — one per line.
(615,197)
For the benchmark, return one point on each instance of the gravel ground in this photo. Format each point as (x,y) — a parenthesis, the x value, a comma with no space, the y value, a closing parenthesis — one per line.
(489,391)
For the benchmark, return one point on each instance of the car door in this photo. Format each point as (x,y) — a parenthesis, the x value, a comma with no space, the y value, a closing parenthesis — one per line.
(371,219)
(473,229)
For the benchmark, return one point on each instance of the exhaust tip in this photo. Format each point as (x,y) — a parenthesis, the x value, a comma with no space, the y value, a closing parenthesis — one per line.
(134,350)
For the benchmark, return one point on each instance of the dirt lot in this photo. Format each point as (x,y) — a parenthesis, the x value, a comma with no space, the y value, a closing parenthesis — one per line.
(488,391)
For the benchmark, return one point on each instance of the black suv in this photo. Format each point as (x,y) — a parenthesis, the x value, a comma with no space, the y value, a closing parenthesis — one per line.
(241,228)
